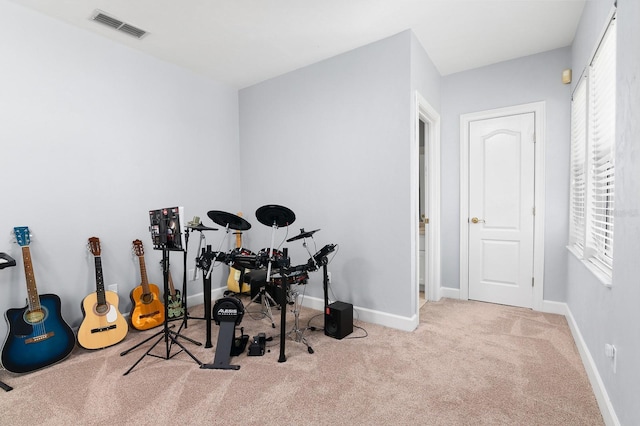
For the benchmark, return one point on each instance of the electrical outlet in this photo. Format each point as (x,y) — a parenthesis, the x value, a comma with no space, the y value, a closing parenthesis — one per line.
(610,352)
(192,275)
(113,288)
(329,277)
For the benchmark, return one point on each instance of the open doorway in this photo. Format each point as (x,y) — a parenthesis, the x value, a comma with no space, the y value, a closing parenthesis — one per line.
(423,219)
(427,214)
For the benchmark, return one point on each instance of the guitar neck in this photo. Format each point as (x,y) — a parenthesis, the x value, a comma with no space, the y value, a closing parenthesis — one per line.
(32,291)
(172,289)
(102,300)
(143,276)
(239,235)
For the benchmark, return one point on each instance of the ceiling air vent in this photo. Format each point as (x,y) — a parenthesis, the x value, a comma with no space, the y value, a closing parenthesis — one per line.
(115,23)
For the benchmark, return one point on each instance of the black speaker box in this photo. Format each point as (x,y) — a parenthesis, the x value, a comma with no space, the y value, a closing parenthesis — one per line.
(338,320)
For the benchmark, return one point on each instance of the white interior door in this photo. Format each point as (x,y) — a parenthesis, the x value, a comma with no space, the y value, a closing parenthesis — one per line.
(501,209)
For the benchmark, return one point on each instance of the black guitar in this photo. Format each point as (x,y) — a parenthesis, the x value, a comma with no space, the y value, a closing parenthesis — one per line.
(38,336)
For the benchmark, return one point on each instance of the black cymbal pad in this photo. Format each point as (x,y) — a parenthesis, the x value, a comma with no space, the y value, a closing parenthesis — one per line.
(273,214)
(201,227)
(302,234)
(230,219)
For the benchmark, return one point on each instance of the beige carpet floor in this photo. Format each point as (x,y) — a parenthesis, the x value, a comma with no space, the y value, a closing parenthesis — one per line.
(468,363)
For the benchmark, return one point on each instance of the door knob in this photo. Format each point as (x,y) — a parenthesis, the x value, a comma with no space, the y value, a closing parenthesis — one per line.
(476,220)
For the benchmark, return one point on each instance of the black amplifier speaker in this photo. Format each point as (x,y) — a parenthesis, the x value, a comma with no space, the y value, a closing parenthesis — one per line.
(338,320)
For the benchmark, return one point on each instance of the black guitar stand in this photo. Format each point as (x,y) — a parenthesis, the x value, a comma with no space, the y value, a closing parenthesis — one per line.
(169,336)
(5,262)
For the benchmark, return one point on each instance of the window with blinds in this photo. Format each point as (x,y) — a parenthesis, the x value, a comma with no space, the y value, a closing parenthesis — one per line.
(593,117)
(578,166)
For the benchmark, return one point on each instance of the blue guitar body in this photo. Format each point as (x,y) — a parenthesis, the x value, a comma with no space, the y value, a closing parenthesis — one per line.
(38,336)
(36,341)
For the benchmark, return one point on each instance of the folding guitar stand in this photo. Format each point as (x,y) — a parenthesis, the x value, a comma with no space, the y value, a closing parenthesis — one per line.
(169,336)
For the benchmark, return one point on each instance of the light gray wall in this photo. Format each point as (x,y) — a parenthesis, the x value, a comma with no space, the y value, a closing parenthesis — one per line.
(93,135)
(529,79)
(425,78)
(331,141)
(611,315)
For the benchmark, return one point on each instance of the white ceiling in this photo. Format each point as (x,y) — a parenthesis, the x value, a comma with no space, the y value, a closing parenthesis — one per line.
(243,42)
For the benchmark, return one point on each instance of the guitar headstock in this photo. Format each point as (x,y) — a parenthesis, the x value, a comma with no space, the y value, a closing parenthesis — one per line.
(94,246)
(138,248)
(22,235)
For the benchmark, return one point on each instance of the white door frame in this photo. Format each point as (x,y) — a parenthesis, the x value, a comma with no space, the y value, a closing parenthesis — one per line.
(426,113)
(538,108)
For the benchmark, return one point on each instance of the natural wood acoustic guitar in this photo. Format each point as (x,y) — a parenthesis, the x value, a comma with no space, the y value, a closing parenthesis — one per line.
(103,324)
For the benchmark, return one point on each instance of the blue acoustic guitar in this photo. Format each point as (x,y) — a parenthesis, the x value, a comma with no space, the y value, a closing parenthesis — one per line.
(38,336)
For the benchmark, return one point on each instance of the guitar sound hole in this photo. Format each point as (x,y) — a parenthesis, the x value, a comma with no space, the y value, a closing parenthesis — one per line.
(102,309)
(35,316)
(147,298)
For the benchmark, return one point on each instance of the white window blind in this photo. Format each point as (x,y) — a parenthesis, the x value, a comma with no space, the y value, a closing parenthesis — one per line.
(592,191)
(578,166)
(602,105)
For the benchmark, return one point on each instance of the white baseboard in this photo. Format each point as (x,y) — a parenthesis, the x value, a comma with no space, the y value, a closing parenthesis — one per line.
(369,315)
(362,314)
(449,293)
(606,408)
(551,307)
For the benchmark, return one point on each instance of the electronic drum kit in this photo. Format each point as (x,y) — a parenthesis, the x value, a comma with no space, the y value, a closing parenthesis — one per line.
(228,311)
